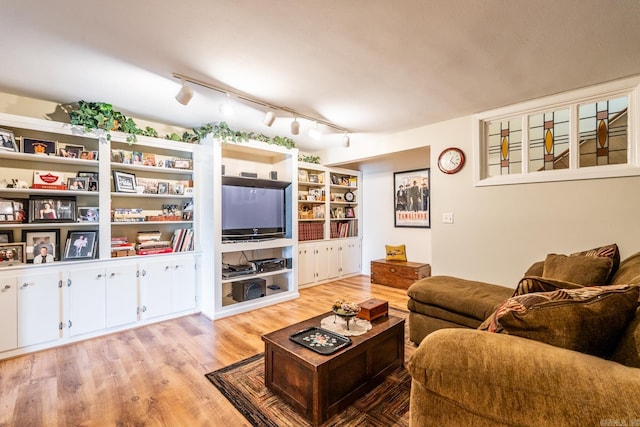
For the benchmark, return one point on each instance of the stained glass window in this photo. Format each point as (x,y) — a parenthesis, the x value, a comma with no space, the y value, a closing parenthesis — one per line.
(504,144)
(602,130)
(549,140)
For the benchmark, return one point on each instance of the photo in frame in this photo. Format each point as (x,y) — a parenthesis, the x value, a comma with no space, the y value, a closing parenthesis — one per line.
(93,180)
(52,209)
(11,254)
(78,183)
(124,182)
(81,245)
(71,151)
(411,198)
(42,246)
(6,236)
(88,214)
(39,146)
(7,141)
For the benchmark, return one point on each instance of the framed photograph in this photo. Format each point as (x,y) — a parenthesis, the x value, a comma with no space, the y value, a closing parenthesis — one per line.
(187,211)
(335,180)
(52,209)
(148,159)
(116,156)
(136,158)
(42,246)
(80,245)
(71,151)
(6,236)
(88,214)
(349,213)
(78,183)
(7,141)
(124,182)
(182,163)
(39,146)
(93,180)
(411,199)
(7,211)
(11,254)
(150,185)
(89,155)
(163,187)
(313,178)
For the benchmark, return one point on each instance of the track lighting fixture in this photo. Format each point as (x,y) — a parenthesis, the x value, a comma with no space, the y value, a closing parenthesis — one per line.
(315,133)
(269,118)
(295,127)
(226,109)
(346,139)
(185,94)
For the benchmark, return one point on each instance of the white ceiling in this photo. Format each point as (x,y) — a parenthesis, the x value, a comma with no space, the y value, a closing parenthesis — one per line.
(366,65)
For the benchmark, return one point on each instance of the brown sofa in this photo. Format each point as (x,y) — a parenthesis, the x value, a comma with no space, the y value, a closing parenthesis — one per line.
(465,376)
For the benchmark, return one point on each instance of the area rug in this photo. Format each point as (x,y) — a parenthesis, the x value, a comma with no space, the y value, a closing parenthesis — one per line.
(386,405)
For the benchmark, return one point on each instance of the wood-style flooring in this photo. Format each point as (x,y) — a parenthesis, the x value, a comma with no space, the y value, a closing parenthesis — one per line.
(154,375)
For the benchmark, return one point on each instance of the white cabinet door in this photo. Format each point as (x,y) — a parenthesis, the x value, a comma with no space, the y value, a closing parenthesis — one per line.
(183,285)
(9,310)
(306,263)
(156,285)
(122,294)
(322,257)
(351,257)
(334,254)
(39,308)
(87,300)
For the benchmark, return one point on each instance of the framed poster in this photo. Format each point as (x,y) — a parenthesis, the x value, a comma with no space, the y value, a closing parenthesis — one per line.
(411,206)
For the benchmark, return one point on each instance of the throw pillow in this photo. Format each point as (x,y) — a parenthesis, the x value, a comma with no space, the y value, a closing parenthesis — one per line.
(540,284)
(608,251)
(396,253)
(581,269)
(589,320)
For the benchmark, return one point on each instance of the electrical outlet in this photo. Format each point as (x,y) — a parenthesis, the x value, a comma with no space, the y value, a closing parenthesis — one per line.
(447,217)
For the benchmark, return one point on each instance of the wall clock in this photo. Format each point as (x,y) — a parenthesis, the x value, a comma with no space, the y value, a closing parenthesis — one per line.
(349,196)
(451,160)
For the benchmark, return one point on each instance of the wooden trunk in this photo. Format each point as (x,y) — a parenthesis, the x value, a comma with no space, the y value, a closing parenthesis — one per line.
(398,274)
(372,309)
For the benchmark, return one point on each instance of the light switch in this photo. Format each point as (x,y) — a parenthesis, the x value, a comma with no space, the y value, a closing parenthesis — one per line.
(447,217)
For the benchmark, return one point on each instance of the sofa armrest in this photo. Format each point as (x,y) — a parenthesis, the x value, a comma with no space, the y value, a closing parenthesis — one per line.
(514,380)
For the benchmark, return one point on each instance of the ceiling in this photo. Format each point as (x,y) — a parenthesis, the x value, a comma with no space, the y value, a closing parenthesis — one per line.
(370,66)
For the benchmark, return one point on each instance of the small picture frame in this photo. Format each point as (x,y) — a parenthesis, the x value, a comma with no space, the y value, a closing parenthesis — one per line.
(89,155)
(80,245)
(78,183)
(39,146)
(116,156)
(187,211)
(182,164)
(52,209)
(313,178)
(150,185)
(71,151)
(303,175)
(88,214)
(7,141)
(93,180)
(7,211)
(12,254)
(163,187)
(124,182)
(6,236)
(335,180)
(36,240)
(349,213)
(137,158)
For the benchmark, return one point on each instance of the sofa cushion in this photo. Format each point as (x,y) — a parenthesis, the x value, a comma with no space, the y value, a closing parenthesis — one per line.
(470,298)
(541,284)
(580,269)
(628,350)
(609,251)
(590,319)
(629,271)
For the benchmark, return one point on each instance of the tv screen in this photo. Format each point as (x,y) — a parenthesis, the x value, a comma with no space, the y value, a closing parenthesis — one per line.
(252,212)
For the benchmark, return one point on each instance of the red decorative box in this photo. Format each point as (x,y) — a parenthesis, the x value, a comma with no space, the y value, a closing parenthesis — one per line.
(372,309)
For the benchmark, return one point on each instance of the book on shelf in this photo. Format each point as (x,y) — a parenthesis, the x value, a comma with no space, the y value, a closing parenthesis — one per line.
(154,251)
(182,240)
(144,236)
(310,231)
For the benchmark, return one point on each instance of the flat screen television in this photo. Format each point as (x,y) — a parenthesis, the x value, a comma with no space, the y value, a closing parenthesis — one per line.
(253,212)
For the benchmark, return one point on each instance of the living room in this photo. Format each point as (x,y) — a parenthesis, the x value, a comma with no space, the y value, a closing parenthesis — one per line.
(496,233)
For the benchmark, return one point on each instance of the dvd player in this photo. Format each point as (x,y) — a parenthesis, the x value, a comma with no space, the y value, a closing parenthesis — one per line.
(268,264)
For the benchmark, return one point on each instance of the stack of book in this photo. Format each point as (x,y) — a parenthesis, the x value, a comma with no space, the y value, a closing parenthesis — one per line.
(150,243)
(182,240)
(310,231)
(120,247)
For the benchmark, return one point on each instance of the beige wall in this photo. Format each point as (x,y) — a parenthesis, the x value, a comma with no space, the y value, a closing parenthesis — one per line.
(497,231)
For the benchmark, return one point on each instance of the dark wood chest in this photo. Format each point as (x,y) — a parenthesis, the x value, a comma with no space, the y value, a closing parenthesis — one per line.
(398,274)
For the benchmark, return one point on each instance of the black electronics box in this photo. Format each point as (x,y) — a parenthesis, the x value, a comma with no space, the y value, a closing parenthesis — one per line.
(245,290)
(268,264)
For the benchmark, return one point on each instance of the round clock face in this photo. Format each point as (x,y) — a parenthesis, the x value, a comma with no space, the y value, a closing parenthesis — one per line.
(451,160)
(349,196)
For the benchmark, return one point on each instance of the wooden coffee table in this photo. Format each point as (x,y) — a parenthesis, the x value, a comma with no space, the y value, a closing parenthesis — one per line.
(319,386)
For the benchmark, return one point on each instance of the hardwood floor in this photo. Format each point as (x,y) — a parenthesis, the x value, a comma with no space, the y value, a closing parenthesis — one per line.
(154,375)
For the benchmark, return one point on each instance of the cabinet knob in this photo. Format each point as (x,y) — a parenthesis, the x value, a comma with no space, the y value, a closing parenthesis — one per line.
(24,285)
(144,272)
(112,275)
(144,308)
(177,267)
(166,267)
(7,287)
(99,276)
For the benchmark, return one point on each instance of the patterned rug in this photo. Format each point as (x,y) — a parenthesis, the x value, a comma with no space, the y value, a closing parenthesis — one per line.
(386,405)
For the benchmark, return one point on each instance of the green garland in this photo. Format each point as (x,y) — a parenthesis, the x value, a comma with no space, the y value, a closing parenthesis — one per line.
(100,115)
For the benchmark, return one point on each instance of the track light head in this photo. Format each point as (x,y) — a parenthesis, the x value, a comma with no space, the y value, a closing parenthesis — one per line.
(185,94)
(295,127)
(226,109)
(346,140)
(269,118)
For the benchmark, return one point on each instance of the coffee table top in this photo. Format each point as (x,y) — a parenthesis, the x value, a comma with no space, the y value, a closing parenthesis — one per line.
(280,338)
